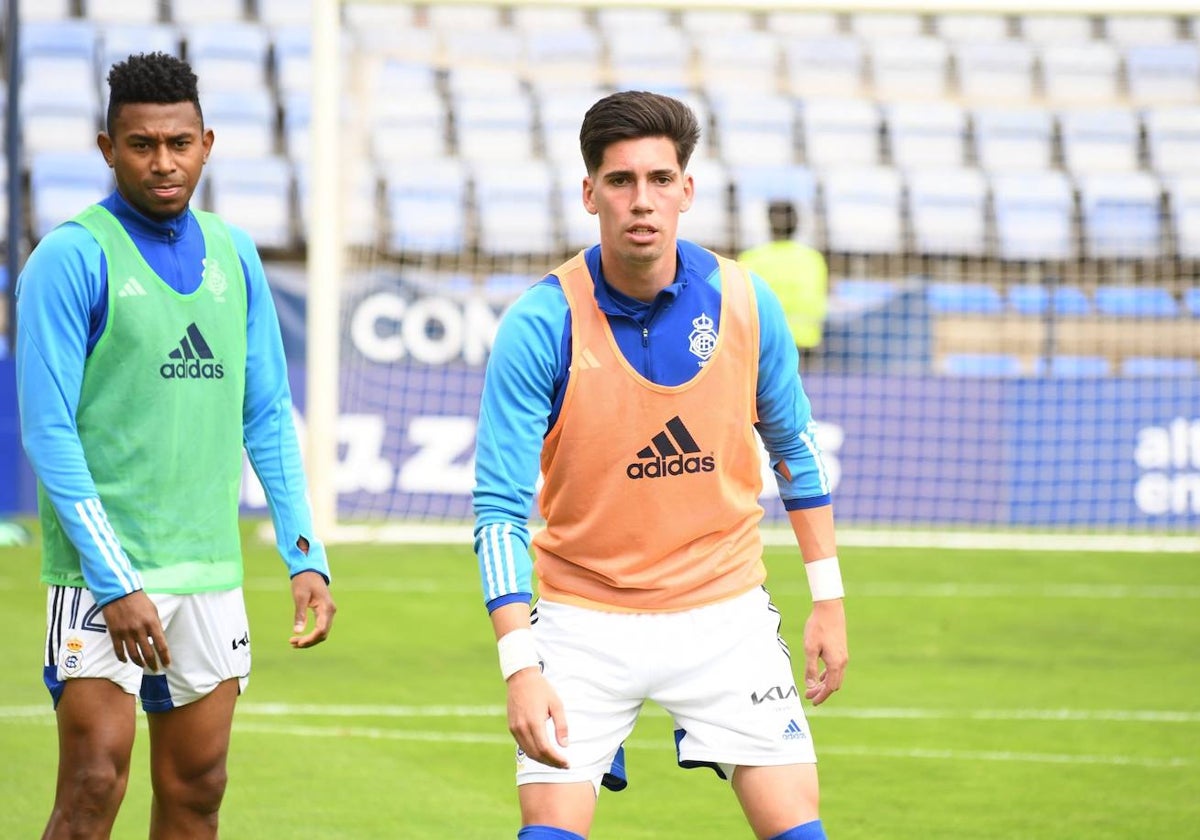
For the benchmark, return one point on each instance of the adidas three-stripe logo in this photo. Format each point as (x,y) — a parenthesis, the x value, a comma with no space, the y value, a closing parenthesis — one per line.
(671,452)
(132,288)
(191,359)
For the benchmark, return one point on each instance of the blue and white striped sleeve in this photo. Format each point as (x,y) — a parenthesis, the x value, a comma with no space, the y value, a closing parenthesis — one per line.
(518,394)
(57,292)
(785,420)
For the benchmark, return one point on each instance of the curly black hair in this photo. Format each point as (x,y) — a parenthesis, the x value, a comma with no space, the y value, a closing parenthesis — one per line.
(151,77)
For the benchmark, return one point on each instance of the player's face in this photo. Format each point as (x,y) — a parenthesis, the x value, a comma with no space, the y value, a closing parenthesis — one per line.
(157,153)
(638,192)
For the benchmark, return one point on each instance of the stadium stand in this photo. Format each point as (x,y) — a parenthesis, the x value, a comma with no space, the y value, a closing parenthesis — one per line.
(120,39)
(515,207)
(755,128)
(756,184)
(1159,366)
(840,132)
(1075,72)
(915,66)
(1031,299)
(426,201)
(994,70)
(1120,301)
(1068,366)
(254,193)
(1010,138)
(188,13)
(926,133)
(988,365)
(1095,139)
(973,298)
(1033,215)
(123,11)
(1120,214)
(947,209)
(62,183)
(823,65)
(863,210)
(1184,198)
(1172,138)
(1159,73)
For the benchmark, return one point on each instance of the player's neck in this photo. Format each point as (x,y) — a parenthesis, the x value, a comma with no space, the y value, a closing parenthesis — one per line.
(638,280)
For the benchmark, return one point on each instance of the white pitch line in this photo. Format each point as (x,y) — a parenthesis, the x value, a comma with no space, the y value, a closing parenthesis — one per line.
(1085,591)
(645,743)
(277,710)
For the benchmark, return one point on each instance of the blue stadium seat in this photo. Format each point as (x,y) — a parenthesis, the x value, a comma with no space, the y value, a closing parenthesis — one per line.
(569,58)
(1099,139)
(1191,301)
(1163,73)
(755,127)
(1121,214)
(123,11)
(67,37)
(1184,196)
(1128,29)
(39,10)
(281,13)
(994,70)
(862,210)
(1013,138)
(984,365)
(803,24)
(1080,72)
(912,66)
(1159,366)
(649,58)
(1173,138)
(414,125)
(707,21)
(63,183)
(926,133)
(362,224)
(1033,215)
(529,18)
(1034,299)
(494,127)
(121,40)
(840,132)
(243,121)
(426,201)
(862,290)
(1042,28)
(964,298)
(502,47)
(459,16)
(256,195)
(559,116)
(189,13)
(970,26)
(228,55)
(580,228)
(515,209)
(731,62)
(1073,367)
(947,208)
(709,222)
(829,65)
(58,118)
(291,60)
(1135,302)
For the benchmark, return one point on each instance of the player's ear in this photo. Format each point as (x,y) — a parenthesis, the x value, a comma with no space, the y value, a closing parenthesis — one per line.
(105,144)
(589,196)
(689,192)
(206,140)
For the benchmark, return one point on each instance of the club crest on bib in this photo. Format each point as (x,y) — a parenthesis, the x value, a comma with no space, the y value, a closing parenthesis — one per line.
(702,341)
(214,279)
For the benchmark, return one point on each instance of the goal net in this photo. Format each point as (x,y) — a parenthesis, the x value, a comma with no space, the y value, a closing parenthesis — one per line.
(1009,212)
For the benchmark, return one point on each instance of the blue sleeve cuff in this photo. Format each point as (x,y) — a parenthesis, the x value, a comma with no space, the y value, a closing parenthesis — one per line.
(511,598)
(314,561)
(805,504)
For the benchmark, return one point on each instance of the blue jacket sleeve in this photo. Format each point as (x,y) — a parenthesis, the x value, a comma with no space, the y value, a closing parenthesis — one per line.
(518,393)
(58,292)
(785,420)
(267,424)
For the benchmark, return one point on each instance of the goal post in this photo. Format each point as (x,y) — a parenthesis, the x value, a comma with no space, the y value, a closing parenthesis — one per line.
(442,181)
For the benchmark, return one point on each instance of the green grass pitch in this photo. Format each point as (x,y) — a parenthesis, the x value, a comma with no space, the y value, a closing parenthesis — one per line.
(990,695)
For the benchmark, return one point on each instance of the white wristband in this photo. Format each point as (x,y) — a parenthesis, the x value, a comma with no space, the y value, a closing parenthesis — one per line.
(825,579)
(517,652)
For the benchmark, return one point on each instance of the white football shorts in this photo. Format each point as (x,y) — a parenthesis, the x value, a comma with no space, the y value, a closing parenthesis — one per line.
(721,671)
(207,633)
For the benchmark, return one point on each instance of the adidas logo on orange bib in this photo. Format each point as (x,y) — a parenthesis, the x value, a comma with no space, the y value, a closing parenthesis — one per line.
(671,452)
(192,359)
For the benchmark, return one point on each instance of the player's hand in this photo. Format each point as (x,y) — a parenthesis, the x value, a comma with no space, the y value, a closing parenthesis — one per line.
(531,702)
(311,592)
(825,641)
(136,631)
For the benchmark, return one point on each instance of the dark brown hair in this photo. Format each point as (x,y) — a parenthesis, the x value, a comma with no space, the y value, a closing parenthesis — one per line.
(632,114)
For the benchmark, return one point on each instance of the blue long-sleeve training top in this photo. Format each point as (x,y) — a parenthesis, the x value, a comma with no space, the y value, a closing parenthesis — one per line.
(527,375)
(62,309)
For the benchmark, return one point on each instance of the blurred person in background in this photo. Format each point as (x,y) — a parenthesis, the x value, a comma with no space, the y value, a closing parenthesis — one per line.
(798,276)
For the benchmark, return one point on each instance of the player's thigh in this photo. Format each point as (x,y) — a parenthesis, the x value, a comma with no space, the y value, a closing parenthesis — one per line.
(777,798)
(733,694)
(190,744)
(97,721)
(209,637)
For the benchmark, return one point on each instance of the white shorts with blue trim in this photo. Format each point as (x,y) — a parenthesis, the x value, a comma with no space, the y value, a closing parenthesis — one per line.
(207,633)
(722,672)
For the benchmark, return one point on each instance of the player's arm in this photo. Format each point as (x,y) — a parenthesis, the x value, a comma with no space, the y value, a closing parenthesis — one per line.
(274,451)
(60,295)
(789,433)
(514,413)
